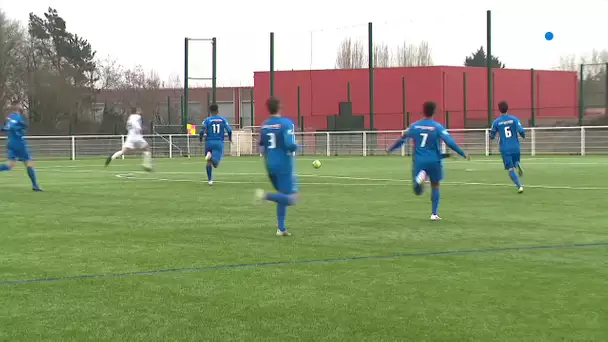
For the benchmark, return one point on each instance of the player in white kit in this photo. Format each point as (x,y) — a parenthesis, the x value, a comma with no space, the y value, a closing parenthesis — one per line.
(135,141)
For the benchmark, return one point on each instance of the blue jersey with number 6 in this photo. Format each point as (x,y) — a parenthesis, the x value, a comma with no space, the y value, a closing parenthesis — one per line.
(278,144)
(215,127)
(509,129)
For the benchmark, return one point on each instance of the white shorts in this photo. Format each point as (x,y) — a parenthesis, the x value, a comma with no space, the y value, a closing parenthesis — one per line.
(135,143)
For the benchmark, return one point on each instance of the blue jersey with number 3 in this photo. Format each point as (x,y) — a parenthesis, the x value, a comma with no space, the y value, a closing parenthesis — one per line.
(509,129)
(215,127)
(278,144)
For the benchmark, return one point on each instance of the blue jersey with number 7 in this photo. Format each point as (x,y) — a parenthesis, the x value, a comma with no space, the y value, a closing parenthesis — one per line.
(509,129)
(278,144)
(428,135)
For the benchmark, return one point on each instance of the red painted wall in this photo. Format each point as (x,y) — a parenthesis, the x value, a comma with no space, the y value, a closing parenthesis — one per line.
(321,90)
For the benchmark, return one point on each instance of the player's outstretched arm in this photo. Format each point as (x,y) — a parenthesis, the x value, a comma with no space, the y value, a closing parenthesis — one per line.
(448,140)
(493,130)
(399,142)
(228,129)
(201,134)
(520,129)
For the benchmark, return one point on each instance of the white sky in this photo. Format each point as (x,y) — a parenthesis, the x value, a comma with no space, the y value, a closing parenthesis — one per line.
(309,32)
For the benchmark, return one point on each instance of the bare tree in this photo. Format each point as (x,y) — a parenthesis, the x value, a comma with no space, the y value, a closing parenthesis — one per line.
(382,56)
(110,73)
(408,55)
(174,82)
(567,63)
(12,61)
(351,54)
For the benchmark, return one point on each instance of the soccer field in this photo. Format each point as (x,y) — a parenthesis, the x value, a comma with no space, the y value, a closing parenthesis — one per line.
(118,254)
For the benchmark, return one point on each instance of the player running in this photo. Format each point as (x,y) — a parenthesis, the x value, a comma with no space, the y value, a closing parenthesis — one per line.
(426,161)
(16,146)
(509,129)
(214,128)
(135,141)
(278,146)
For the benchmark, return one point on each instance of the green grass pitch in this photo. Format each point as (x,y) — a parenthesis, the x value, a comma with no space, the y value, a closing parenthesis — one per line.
(91,222)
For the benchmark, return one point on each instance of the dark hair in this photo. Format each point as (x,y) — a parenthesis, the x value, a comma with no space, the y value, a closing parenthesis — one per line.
(273,105)
(214,109)
(429,108)
(503,107)
(133,110)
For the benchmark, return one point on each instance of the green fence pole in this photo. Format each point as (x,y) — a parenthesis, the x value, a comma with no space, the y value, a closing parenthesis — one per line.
(271,63)
(115,129)
(465,106)
(302,125)
(214,70)
(606,87)
(532,98)
(489,64)
(252,109)
(185,97)
(370,64)
(348,91)
(447,119)
(208,103)
(168,110)
(403,103)
(181,107)
(299,110)
(581,100)
(408,120)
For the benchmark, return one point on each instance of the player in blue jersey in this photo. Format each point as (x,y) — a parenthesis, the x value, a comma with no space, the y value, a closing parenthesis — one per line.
(15,128)
(509,129)
(278,147)
(213,130)
(427,135)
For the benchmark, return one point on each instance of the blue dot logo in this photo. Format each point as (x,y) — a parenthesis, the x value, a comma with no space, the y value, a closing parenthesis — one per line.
(549,35)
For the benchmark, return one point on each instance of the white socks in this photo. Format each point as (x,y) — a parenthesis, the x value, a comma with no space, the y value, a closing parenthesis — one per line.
(147,157)
(117,154)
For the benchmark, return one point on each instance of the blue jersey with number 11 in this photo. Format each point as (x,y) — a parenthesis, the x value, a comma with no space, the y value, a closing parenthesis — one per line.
(216,127)
(277,142)
(509,129)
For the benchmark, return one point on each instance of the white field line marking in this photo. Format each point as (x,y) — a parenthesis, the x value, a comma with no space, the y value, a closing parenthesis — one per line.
(236,160)
(375,181)
(128,176)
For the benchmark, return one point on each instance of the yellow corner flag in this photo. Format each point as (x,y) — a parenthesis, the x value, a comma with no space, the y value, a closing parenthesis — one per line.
(191,129)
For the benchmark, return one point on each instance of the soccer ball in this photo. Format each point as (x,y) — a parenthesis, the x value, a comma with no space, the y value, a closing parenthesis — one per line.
(147,168)
(316,164)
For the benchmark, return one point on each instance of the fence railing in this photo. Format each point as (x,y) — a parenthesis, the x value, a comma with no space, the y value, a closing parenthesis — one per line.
(547,140)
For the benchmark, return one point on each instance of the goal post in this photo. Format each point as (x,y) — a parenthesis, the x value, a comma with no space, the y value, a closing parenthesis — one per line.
(187,77)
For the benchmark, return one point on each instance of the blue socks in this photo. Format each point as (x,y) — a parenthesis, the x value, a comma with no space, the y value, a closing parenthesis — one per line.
(435,200)
(209,170)
(32,174)
(279,198)
(281,213)
(282,201)
(5,167)
(514,177)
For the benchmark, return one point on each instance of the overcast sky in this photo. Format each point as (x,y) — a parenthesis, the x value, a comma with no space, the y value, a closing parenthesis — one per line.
(308,33)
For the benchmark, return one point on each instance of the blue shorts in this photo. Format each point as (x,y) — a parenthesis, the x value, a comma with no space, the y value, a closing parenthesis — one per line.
(510,160)
(217,150)
(18,153)
(434,170)
(285,183)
